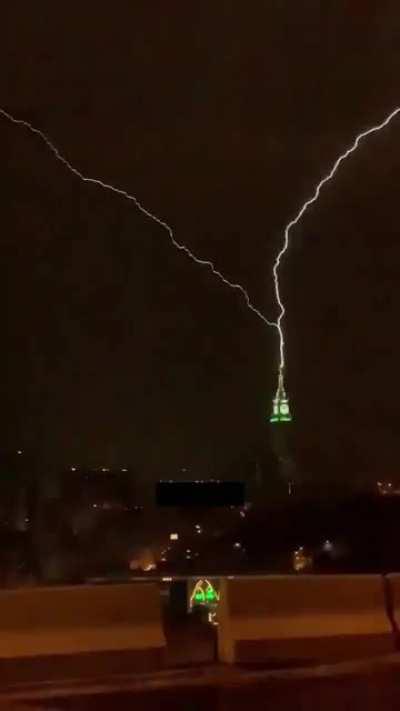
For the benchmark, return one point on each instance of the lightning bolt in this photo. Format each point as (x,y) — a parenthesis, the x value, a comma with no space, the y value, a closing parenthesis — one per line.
(123,193)
(296,220)
(205,262)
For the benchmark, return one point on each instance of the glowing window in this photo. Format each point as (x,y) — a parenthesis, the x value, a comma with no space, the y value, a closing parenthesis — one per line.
(204,594)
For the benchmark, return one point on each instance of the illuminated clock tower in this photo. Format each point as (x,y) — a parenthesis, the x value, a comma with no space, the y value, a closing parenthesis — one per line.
(280,421)
(280,404)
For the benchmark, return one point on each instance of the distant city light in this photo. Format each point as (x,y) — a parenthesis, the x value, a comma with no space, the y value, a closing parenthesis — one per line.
(237,545)
(301,561)
(148,567)
(73,469)
(173,536)
(388,488)
(212,618)
(19,451)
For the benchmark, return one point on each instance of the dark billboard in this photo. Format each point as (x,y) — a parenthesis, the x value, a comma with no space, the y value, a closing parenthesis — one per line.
(200,493)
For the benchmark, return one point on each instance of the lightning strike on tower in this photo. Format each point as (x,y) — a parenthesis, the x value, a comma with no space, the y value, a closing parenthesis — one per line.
(280,403)
(280,407)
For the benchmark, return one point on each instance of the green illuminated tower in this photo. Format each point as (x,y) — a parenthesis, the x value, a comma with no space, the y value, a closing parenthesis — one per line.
(280,404)
(280,421)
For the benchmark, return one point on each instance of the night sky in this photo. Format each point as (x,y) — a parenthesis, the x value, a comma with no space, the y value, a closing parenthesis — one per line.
(221,117)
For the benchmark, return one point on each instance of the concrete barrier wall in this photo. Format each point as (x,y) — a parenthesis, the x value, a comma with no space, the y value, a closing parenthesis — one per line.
(68,620)
(315,618)
(393,592)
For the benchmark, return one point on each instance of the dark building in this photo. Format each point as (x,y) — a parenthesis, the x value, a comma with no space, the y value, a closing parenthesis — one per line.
(99,487)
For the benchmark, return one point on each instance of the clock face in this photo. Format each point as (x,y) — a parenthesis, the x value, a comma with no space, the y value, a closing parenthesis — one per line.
(284,408)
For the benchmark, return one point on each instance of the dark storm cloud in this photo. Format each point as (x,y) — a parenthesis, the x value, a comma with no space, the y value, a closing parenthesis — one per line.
(221,118)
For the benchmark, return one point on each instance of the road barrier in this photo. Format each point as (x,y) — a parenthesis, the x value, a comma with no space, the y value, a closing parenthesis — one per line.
(105,628)
(306,619)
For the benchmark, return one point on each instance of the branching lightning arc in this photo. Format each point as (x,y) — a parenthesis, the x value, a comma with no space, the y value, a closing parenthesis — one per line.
(208,263)
(123,193)
(296,220)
